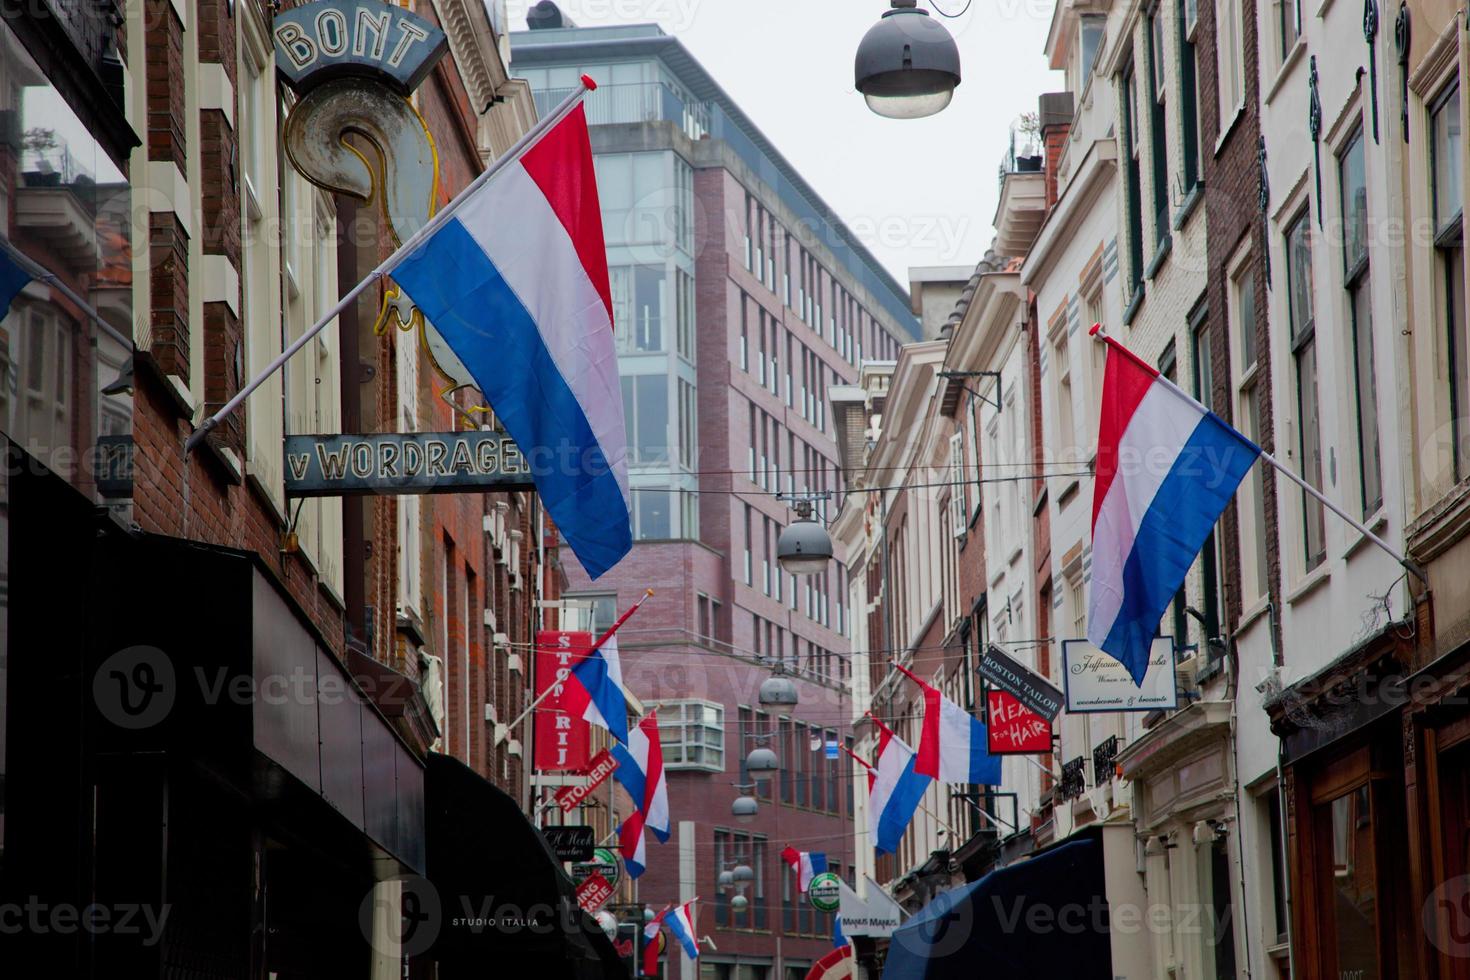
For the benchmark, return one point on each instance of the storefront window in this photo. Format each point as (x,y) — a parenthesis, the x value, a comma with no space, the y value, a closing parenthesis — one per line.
(65,345)
(1346,826)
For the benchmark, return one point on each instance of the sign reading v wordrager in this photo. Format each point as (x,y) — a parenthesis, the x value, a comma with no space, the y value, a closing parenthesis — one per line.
(404,462)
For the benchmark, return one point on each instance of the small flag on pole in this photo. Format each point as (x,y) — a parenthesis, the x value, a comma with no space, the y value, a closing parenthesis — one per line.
(953,744)
(1166,470)
(13,279)
(681,924)
(641,772)
(895,791)
(806,864)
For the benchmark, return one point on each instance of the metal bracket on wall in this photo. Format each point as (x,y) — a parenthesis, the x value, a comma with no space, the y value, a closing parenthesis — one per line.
(1314,126)
(1370,34)
(956,375)
(1401,44)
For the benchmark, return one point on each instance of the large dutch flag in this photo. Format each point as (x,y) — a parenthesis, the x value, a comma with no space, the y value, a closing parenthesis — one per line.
(806,864)
(516,281)
(641,772)
(895,791)
(1166,470)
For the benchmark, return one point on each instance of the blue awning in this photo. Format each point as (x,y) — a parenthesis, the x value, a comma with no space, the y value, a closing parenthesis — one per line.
(1033,919)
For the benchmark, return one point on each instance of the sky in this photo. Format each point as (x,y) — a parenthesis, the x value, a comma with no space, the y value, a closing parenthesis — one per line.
(917,192)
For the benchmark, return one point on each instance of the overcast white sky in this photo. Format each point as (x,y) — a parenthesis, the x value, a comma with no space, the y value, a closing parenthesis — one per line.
(918,192)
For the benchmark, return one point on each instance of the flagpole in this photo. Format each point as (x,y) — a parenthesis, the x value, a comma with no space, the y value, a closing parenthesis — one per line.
(40,273)
(393,261)
(1412,567)
(593,649)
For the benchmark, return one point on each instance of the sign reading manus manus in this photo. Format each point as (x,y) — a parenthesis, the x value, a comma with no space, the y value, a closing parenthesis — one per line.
(404,462)
(1095,682)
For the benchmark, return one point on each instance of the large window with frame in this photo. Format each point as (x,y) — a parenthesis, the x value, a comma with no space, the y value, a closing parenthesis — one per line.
(1158,129)
(1204,387)
(1134,196)
(1301,318)
(692,734)
(1288,26)
(1188,94)
(1353,187)
(1448,192)
(1230,58)
(1250,390)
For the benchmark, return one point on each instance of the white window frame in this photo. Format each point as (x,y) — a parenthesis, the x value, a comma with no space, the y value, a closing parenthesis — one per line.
(674,748)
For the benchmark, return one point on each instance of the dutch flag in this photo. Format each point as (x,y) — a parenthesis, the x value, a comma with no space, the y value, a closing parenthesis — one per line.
(516,282)
(641,772)
(895,791)
(954,746)
(681,923)
(13,278)
(599,679)
(1166,470)
(806,864)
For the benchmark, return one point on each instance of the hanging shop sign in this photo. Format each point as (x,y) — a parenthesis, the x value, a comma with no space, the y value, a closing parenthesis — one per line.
(876,916)
(404,462)
(1012,728)
(1027,686)
(563,736)
(1095,682)
(604,862)
(599,767)
(364,38)
(825,892)
(593,893)
(570,843)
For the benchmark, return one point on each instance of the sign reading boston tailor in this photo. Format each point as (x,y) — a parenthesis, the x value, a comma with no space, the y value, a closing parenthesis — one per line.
(317,41)
(404,462)
(1096,682)
(570,843)
(1013,728)
(1030,689)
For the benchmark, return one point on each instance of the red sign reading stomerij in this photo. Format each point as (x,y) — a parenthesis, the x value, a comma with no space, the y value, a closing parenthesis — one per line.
(601,767)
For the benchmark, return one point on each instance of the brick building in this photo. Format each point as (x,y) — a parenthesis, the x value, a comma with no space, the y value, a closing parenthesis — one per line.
(300,670)
(739,300)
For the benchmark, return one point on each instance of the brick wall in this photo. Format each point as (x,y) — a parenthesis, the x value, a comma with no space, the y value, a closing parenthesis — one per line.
(1234,221)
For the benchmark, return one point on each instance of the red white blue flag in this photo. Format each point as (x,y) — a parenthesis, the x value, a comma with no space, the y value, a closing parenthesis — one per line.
(516,282)
(1166,469)
(641,772)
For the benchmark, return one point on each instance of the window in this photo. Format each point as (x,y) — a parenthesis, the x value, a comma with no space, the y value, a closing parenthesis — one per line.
(734,847)
(638,307)
(1061,368)
(1091,30)
(684,310)
(1288,26)
(709,615)
(1188,94)
(1300,312)
(1204,387)
(688,424)
(1213,862)
(1353,185)
(1449,246)
(1277,830)
(749,574)
(646,414)
(1249,391)
(653,510)
(1230,54)
(1134,200)
(1158,140)
(692,734)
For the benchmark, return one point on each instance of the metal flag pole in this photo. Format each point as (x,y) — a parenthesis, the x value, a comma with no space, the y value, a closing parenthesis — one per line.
(40,273)
(1412,567)
(393,261)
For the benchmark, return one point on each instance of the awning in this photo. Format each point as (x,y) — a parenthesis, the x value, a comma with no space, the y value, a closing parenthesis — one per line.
(1037,918)
(506,907)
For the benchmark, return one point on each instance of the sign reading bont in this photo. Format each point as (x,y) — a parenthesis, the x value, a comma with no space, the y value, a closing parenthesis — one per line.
(404,462)
(1029,688)
(1095,682)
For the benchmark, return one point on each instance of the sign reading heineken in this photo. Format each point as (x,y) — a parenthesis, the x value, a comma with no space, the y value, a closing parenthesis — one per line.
(825,892)
(404,462)
(604,862)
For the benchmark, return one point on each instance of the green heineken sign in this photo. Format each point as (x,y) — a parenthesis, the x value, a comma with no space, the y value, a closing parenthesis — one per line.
(604,862)
(825,892)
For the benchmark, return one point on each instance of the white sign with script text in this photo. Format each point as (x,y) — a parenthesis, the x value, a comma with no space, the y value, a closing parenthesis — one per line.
(1095,682)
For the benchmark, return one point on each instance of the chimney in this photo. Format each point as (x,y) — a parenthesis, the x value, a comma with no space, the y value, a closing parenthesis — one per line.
(1054,113)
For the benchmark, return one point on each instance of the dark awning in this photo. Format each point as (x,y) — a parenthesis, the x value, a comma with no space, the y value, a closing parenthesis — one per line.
(1037,918)
(506,905)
